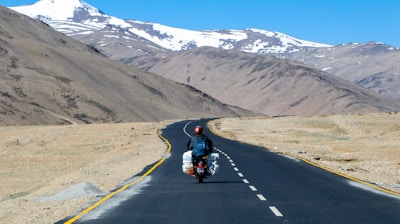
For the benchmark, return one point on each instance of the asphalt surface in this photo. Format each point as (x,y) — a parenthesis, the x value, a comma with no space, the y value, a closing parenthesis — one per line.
(253,185)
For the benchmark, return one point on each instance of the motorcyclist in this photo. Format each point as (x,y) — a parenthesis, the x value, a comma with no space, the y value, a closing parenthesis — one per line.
(201,141)
(199,134)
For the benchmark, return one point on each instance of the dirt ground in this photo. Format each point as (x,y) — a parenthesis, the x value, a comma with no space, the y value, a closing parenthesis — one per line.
(363,146)
(39,162)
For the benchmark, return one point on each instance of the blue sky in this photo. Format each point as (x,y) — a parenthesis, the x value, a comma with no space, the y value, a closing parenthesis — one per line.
(324,21)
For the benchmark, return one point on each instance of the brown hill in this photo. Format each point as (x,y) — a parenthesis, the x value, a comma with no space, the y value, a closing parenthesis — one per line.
(49,78)
(266,84)
(372,65)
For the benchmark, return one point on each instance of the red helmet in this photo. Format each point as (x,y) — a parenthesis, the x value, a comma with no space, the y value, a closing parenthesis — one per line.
(198,130)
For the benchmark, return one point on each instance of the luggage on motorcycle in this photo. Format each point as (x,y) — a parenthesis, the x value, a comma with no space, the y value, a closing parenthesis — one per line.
(187,165)
(213,166)
(212,163)
(187,156)
(199,147)
(189,170)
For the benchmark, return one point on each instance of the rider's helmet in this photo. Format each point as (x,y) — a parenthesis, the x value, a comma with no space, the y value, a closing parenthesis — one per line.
(198,130)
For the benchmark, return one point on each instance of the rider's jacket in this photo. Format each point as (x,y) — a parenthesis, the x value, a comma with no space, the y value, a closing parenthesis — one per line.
(209,143)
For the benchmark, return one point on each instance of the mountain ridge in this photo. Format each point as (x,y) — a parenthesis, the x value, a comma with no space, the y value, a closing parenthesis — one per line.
(265,84)
(112,37)
(50,78)
(123,40)
(79,13)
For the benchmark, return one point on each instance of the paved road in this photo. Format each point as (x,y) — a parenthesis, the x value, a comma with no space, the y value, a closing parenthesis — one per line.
(254,185)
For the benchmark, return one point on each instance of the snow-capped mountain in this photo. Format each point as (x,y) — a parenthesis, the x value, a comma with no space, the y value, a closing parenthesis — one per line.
(76,18)
(127,40)
(148,45)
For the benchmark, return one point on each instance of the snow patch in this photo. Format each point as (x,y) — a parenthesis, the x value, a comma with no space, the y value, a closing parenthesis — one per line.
(59,14)
(55,10)
(326,69)
(112,36)
(265,32)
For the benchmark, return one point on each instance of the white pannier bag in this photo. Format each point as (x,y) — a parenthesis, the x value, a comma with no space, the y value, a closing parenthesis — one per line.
(213,166)
(187,166)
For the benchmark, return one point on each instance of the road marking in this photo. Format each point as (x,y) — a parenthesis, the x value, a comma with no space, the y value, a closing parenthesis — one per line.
(346,176)
(275,211)
(253,188)
(261,197)
(184,129)
(123,188)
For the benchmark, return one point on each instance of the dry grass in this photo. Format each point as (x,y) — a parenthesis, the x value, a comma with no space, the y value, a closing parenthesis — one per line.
(364,146)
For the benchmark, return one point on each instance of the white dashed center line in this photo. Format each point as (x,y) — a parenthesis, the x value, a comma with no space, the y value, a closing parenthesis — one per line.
(261,197)
(253,188)
(275,211)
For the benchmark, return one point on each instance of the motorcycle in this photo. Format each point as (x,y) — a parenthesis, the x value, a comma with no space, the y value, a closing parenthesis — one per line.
(200,168)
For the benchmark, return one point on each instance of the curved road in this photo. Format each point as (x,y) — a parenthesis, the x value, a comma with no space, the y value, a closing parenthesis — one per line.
(253,185)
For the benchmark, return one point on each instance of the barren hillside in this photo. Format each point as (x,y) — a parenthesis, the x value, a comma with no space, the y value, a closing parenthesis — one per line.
(266,84)
(49,78)
(372,65)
